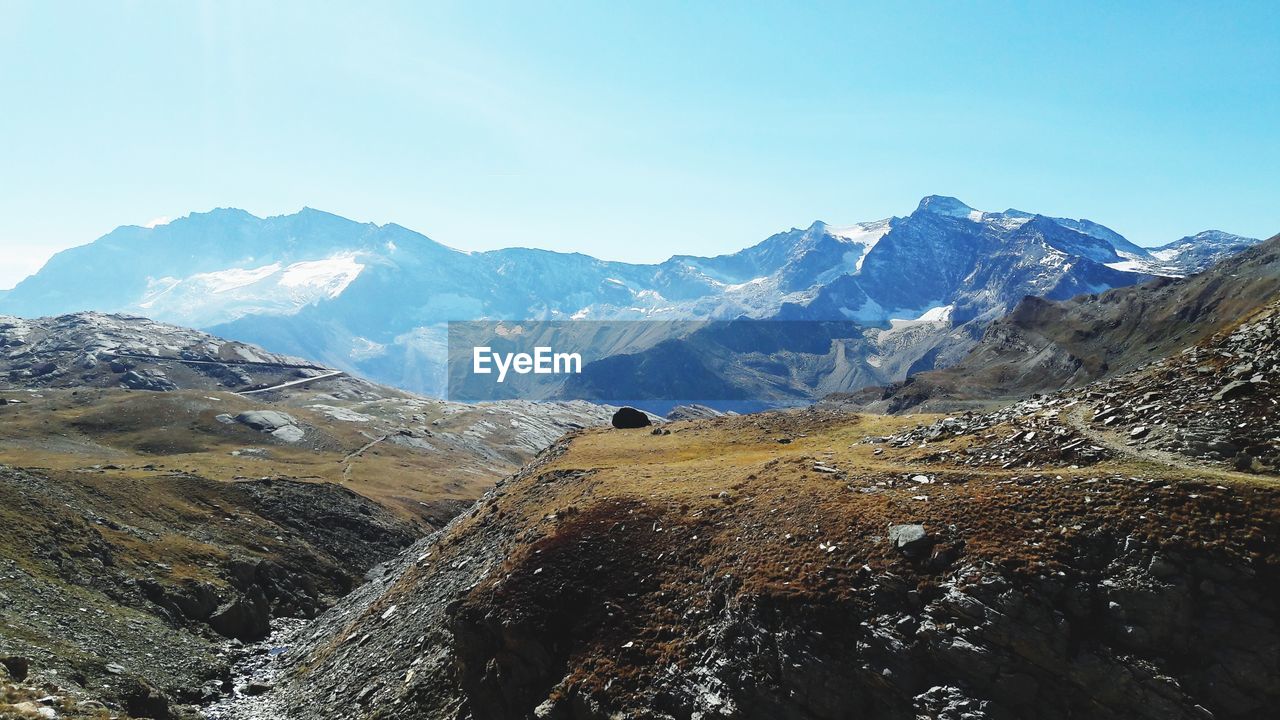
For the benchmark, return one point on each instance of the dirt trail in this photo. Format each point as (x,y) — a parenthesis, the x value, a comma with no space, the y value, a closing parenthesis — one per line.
(1073,417)
(294,383)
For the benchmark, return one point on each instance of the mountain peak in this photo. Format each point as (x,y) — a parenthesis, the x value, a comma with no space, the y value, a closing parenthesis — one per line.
(1215,236)
(1209,239)
(944,205)
(221,213)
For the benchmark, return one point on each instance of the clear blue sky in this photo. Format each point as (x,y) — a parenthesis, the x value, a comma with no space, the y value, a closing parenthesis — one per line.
(634,131)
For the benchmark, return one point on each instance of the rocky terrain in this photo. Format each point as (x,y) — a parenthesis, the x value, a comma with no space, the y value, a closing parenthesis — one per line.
(1215,404)
(1031,562)
(151,531)
(1217,401)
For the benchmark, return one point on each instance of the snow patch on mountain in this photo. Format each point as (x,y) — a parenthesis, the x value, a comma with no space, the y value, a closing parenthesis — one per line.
(233,279)
(864,234)
(1135,265)
(203,299)
(328,277)
(939,314)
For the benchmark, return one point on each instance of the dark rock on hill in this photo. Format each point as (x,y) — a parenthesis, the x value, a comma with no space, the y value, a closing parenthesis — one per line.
(630,418)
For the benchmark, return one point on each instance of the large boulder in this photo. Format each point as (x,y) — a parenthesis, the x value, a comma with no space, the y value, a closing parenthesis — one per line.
(245,618)
(910,539)
(629,417)
(16,666)
(280,425)
(266,420)
(1234,389)
(153,380)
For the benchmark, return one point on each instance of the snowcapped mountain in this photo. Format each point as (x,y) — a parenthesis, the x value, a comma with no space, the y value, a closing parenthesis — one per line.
(1194,253)
(373,298)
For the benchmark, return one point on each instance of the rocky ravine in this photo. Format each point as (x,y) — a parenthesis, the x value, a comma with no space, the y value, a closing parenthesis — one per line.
(149,530)
(124,592)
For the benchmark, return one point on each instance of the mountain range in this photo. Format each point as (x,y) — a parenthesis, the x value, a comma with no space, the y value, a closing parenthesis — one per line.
(373,299)
(1046,346)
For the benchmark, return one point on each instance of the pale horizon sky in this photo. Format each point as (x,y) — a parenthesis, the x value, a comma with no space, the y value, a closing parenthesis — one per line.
(633,132)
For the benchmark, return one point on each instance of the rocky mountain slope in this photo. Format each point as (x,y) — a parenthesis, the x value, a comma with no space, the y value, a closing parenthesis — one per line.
(1218,400)
(1038,561)
(372,299)
(1042,346)
(99,350)
(124,590)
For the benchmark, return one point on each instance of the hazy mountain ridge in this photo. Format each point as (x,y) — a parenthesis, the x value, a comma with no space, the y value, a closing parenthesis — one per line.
(372,299)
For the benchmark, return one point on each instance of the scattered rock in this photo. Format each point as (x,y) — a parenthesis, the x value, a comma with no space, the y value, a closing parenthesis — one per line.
(141,699)
(1234,389)
(254,688)
(34,710)
(281,426)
